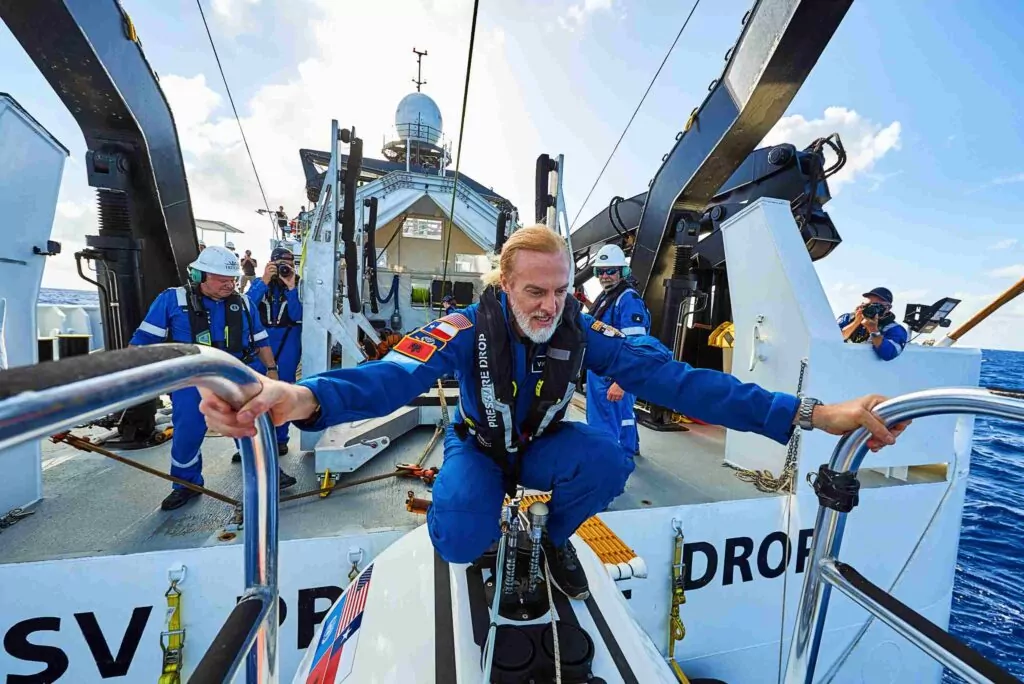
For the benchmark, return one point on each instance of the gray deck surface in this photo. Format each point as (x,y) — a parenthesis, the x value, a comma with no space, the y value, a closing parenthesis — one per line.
(96,506)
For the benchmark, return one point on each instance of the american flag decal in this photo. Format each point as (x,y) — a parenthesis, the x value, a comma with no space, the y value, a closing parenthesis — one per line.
(335,653)
(458,320)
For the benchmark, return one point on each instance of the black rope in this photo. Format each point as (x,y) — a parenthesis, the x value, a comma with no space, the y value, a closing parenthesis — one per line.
(266,204)
(458,153)
(635,111)
(391,292)
(1006,392)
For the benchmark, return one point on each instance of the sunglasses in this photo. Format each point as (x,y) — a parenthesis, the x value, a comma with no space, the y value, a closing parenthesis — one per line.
(614,270)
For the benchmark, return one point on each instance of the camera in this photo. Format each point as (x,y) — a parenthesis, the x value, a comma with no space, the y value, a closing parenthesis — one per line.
(873,310)
(284,269)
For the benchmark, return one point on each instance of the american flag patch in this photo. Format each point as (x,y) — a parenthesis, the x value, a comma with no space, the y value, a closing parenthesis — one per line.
(336,648)
(458,320)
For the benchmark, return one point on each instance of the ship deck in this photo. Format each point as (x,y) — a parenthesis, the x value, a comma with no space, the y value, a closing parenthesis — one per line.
(94,506)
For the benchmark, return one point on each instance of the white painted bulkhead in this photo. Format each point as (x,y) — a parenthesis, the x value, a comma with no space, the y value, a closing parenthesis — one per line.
(31,166)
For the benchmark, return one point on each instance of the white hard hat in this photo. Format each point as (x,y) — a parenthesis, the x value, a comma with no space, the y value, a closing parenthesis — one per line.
(610,255)
(218,261)
(229,244)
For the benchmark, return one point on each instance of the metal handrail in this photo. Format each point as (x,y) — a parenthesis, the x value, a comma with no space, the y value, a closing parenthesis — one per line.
(830,524)
(35,414)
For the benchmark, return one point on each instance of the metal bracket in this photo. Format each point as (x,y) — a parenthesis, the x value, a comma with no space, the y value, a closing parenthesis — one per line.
(835,490)
(759,338)
(176,575)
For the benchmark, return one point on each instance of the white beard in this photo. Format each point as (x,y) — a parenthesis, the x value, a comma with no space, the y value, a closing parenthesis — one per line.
(528,326)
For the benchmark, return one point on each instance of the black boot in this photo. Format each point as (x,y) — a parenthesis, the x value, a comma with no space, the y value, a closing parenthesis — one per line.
(566,573)
(282,448)
(285,480)
(178,498)
(236,457)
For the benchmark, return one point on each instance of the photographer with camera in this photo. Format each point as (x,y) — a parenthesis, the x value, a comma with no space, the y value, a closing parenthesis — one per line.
(276,298)
(873,321)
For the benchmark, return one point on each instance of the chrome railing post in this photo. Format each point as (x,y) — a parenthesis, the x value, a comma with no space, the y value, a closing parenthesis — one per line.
(118,380)
(829,524)
(260,474)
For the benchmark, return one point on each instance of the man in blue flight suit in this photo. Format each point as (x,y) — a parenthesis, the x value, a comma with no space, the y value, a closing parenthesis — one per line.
(873,321)
(609,407)
(518,353)
(276,298)
(207,311)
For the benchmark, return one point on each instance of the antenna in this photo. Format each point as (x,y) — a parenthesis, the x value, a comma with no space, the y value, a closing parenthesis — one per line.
(419,68)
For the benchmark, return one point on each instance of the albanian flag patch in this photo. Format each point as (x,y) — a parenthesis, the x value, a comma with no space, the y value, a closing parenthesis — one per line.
(419,350)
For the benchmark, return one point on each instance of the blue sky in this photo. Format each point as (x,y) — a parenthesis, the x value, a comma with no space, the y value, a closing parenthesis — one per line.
(925,94)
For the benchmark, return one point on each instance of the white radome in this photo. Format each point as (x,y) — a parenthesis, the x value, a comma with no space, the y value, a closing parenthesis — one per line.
(419,118)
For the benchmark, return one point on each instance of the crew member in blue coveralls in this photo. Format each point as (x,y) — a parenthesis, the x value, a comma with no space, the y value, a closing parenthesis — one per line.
(276,298)
(873,321)
(518,353)
(609,407)
(207,311)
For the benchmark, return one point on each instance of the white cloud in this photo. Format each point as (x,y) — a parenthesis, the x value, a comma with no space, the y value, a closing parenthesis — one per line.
(296,111)
(235,16)
(577,14)
(1004,244)
(1001,330)
(865,141)
(192,103)
(1007,180)
(1013,271)
(71,223)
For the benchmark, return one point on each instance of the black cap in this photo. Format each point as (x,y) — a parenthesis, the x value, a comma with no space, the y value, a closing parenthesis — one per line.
(282,253)
(882,293)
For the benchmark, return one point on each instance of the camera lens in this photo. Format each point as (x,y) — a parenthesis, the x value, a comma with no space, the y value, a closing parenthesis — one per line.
(284,270)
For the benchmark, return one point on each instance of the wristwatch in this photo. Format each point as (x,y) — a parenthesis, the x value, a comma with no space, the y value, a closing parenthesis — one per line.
(875,334)
(806,412)
(271,368)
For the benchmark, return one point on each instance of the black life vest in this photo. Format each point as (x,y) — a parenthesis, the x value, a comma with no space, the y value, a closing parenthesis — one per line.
(236,342)
(276,292)
(861,334)
(498,431)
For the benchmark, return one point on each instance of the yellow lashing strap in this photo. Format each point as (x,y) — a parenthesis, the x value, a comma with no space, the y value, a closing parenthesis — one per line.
(605,543)
(172,640)
(676,628)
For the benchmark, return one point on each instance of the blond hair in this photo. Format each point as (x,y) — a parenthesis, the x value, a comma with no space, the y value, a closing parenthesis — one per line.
(538,238)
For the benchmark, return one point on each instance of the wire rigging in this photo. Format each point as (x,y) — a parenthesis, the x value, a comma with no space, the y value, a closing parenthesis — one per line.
(238,120)
(458,153)
(635,111)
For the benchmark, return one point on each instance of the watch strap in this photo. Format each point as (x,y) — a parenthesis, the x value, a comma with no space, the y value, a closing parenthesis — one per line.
(805,412)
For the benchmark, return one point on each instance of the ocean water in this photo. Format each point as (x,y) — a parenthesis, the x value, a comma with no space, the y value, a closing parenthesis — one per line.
(68,297)
(988,593)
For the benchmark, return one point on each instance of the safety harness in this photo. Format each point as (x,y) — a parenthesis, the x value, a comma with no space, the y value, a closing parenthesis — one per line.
(496,432)
(277,292)
(607,298)
(191,299)
(885,321)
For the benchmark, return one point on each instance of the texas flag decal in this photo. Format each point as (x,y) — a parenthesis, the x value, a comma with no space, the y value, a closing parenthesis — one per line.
(442,330)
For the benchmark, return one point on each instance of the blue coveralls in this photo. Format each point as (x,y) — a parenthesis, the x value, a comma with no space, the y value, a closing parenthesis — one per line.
(894,337)
(168,321)
(628,315)
(285,340)
(582,466)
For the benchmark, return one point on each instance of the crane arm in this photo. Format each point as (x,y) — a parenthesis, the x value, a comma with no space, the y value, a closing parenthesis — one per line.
(780,43)
(90,54)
